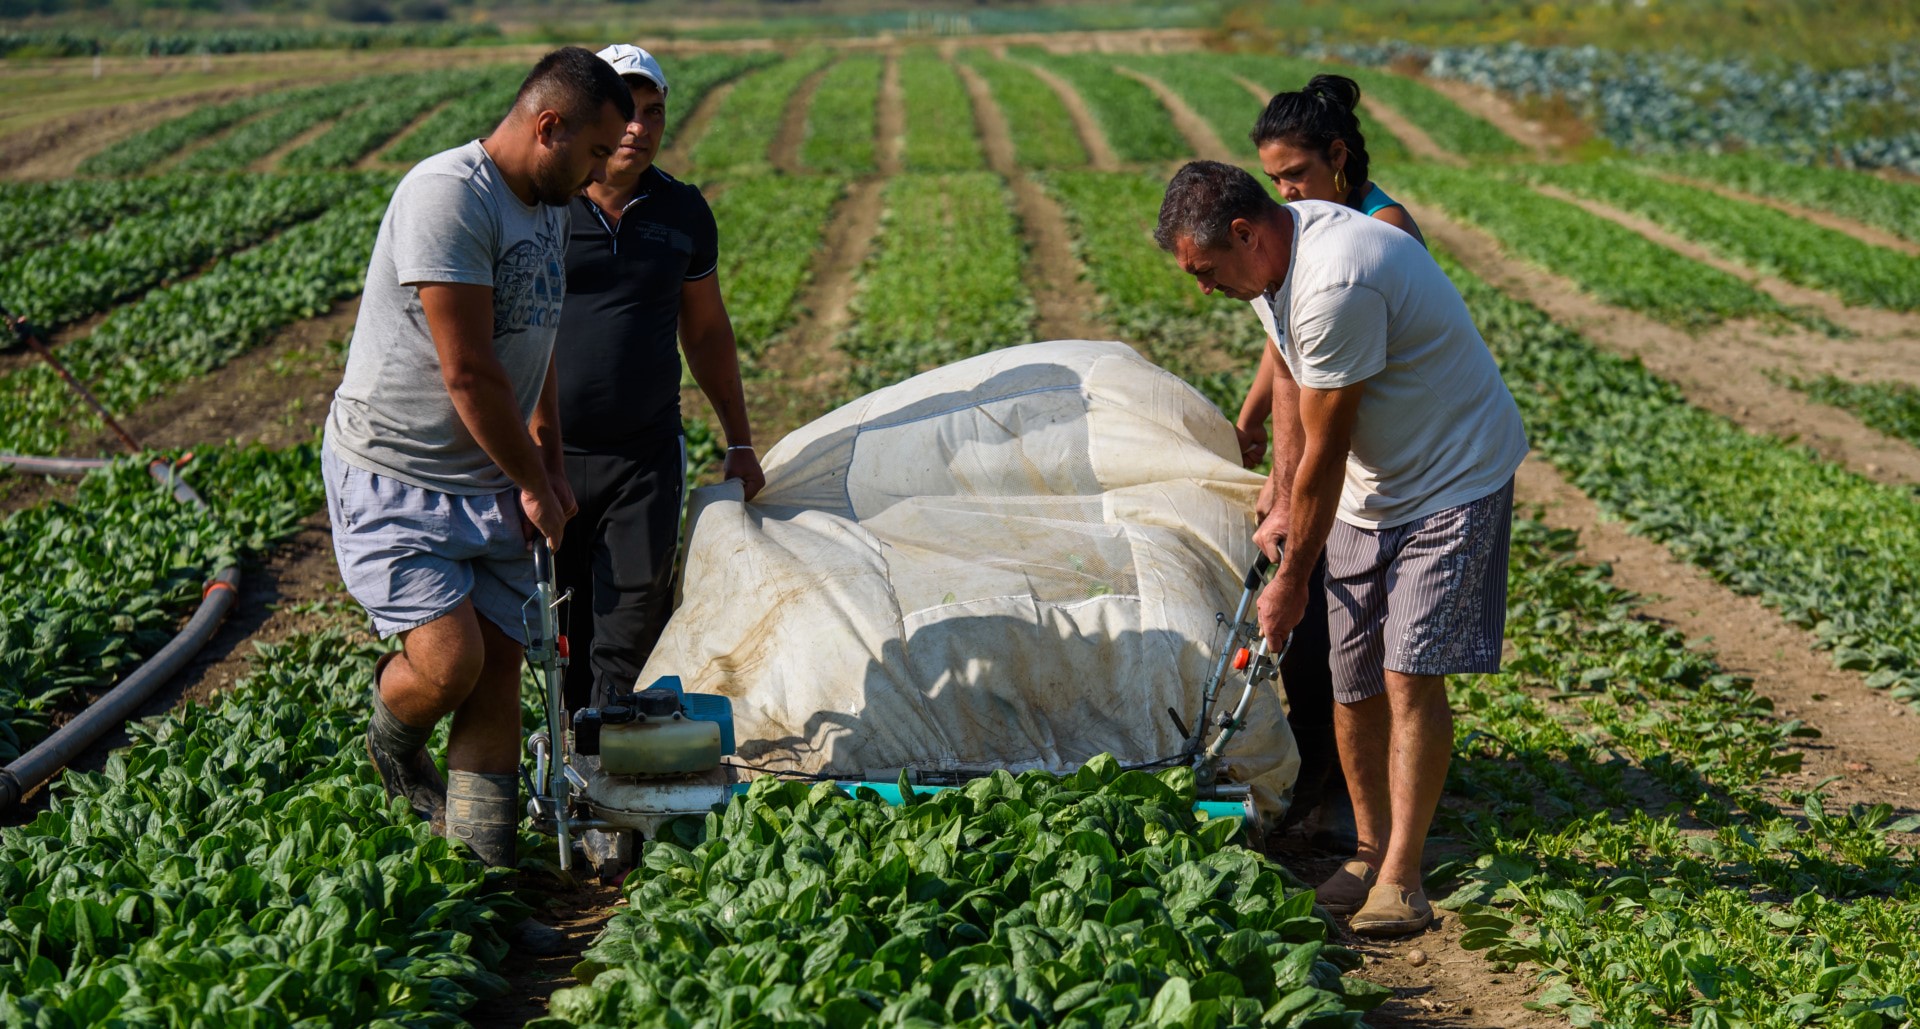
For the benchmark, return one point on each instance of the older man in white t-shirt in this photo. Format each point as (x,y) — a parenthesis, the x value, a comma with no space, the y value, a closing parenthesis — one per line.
(1405,446)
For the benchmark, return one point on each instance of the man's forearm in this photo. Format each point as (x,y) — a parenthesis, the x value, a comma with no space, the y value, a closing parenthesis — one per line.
(490,411)
(544,426)
(1289,440)
(1316,499)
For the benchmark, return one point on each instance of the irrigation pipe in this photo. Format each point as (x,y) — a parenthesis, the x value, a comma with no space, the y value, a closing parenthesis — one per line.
(113,709)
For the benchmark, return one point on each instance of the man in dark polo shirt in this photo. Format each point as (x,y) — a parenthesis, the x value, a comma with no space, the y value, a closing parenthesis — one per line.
(642,264)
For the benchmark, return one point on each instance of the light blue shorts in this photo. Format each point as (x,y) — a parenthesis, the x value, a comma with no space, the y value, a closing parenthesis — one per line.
(410,555)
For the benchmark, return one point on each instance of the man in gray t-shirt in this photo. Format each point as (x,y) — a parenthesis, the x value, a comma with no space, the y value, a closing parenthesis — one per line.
(1403,476)
(442,456)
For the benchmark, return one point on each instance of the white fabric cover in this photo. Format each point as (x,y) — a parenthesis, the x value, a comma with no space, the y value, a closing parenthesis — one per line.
(1013,561)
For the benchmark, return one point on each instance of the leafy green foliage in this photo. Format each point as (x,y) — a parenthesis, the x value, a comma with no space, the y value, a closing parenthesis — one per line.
(160,143)
(361,132)
(1132,118)
(1759,237)
(1608,260)
(241,865)
(1891,407)
(1094,899)
(1893,206)
(939,114)
(765,223)
(1211,89)
(205,217)
(256,139)
(1832,552)
(1620,791)
(744,127)
(1042,130)
(1212,342)
(91,587)
(40,214)
(1452,128)
(191,328)
(690,79)
(465,119)
(944,281)
(841,118)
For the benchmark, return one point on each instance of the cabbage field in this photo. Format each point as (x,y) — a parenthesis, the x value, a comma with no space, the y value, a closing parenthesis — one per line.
(1690,799)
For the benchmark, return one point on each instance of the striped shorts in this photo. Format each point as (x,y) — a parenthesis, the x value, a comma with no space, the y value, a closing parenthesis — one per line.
(1425,598)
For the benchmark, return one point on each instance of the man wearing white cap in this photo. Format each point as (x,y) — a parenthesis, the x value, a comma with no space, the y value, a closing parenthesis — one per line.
(642,263)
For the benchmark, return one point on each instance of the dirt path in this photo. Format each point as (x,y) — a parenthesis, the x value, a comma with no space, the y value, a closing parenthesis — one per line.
(1867,738)
(312,132)
(793,124)
(1716,370)
(1496,109)
(1418,143)
(580,912)
(1064,303)
(55,149)
(1100,155)
(694,128)
(890,119)
(1205,143)
(1897,332)
(806,366)
(1858,230)
(377,157)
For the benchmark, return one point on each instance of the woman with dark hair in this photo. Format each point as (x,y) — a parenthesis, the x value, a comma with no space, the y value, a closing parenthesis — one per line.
(1311,148)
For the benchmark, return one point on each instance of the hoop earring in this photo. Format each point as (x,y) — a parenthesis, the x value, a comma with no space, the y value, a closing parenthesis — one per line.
(1340,183)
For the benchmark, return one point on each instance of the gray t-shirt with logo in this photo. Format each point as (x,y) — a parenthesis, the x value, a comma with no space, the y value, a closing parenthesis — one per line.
(453,219)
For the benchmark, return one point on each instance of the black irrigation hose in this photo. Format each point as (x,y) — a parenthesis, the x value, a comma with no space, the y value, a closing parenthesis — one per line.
(113,709)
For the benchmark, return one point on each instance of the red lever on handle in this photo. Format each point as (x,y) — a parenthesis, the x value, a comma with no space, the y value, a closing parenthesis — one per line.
(564,652)
(1241,659)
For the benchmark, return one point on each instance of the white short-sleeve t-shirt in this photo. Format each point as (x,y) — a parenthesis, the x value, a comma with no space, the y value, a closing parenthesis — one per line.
(1363,301)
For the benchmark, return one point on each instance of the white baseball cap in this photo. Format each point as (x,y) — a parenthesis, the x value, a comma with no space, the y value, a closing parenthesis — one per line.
(628,59)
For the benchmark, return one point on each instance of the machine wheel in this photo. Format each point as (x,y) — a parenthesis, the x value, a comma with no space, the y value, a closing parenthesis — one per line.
(610,852)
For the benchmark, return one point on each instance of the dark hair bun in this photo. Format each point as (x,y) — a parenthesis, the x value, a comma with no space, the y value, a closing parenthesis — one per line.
(1335,89)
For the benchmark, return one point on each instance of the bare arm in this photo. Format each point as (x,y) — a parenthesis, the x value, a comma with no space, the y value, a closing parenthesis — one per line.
(1400,219)
(713,356)
(1251,426)
(460,318)
(1326,421)
(1277,496)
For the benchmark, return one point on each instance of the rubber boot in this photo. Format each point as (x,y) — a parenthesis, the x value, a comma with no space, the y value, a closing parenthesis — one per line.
(483,812)
(399,754)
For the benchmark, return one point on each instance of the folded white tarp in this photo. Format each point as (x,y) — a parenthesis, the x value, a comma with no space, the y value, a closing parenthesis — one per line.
(1014,561)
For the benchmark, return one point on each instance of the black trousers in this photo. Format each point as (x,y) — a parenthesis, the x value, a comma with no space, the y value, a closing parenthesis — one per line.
(617,556)
(1306,672)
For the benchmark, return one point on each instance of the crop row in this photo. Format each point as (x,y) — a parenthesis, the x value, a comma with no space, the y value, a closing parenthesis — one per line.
(467,118)
(239,864)
(255,140)
(1133,120)
(206,217)
(1760,237)
(92,586)
(1666,99)
(1620,800)
(744,128)
(1210,88)
(1832,552)
(81,42)
(1211,342)
(40,214)
(364,130)
(1453,128)
(1893,206)
(940,128)
(944,281)
(1090,900)
(770,229)
(1604,258)
(145,150)
(1891,407)
(191,328)
(841,118)
(1042,130)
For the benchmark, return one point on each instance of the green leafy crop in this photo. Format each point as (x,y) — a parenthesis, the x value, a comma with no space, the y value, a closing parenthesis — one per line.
(1042,130)
(1090,900)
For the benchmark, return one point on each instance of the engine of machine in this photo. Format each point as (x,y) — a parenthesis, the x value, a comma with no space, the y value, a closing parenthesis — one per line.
(657,731)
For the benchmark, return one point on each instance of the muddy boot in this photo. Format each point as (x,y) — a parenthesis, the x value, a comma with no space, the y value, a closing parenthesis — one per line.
(399,754)
(483,812)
